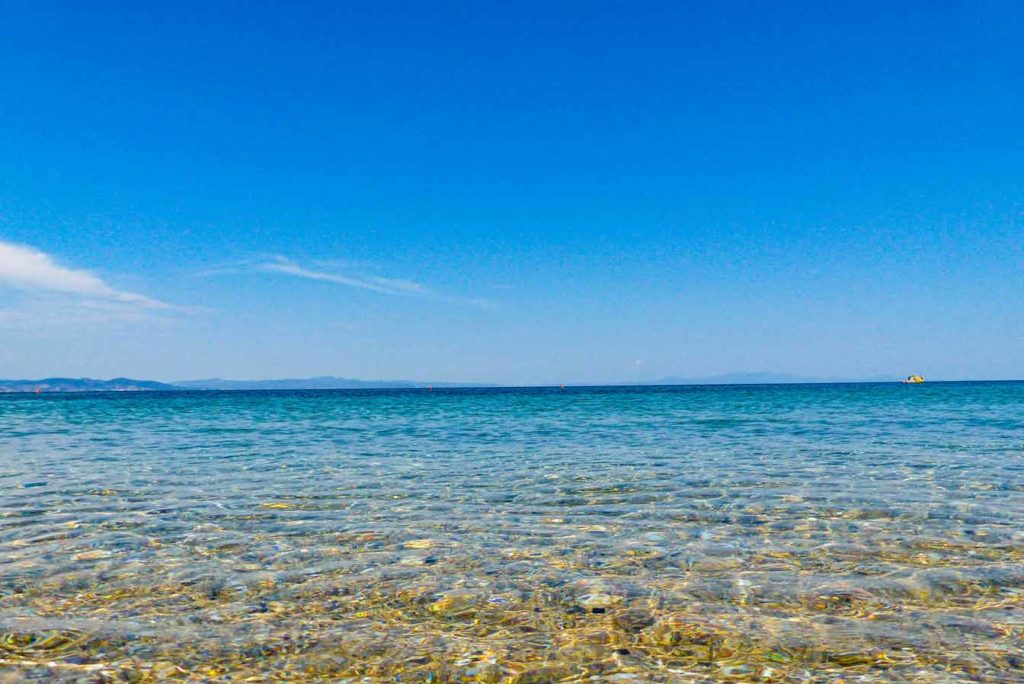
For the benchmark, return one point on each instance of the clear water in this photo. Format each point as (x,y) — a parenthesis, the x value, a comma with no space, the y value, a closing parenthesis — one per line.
(777,533)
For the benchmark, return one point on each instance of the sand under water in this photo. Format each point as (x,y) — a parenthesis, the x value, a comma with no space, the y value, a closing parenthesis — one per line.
(824,533)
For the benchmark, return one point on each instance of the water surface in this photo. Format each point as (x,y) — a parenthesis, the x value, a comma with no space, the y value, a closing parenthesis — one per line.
(769,533)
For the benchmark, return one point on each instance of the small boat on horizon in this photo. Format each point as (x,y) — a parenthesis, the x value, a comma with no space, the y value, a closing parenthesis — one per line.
(913,379)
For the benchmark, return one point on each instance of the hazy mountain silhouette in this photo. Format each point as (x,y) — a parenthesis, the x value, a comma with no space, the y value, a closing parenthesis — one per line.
(84,385)
(763,378)
(325,382)
(331,382)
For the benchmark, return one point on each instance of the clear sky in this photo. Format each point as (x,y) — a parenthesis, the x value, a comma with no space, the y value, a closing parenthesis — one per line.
(515,192)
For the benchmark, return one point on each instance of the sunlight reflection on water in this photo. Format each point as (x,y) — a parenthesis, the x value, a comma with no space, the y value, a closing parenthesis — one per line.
(785,533)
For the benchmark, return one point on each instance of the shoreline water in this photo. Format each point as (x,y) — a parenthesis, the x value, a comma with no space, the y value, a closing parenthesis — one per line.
(747,533)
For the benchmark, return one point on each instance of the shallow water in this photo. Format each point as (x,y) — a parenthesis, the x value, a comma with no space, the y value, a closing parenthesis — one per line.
(782,533)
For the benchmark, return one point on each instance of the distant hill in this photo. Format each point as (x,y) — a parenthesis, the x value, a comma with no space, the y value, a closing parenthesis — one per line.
(326,382)
(763,378)
(129,385)
(84,385)
(331,383)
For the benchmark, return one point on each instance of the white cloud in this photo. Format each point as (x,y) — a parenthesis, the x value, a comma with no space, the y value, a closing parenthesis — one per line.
(30,270)
(54,297)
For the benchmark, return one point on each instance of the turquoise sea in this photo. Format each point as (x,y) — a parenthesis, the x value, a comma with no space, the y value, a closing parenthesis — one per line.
(788,533)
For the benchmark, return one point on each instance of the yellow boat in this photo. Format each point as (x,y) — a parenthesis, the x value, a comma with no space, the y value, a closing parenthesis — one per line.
(914,379)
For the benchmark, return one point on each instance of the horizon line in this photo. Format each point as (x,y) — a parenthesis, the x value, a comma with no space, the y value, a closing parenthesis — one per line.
(426,387)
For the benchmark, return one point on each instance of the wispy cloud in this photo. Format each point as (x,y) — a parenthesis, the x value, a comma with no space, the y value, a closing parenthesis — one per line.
(389,286)
(55,294)
(55,312)
(373,283)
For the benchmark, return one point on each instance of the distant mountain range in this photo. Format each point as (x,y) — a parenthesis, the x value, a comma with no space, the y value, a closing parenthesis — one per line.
(330,382)
(325,382)
(129,385)
(762,378)
(84,385)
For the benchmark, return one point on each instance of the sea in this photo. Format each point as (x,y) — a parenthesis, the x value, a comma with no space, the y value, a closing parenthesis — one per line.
(769,533)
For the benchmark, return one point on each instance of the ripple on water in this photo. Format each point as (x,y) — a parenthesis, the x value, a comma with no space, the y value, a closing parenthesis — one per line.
(688,534)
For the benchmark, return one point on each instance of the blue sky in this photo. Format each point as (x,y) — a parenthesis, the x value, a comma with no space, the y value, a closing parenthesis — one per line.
(511,192)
